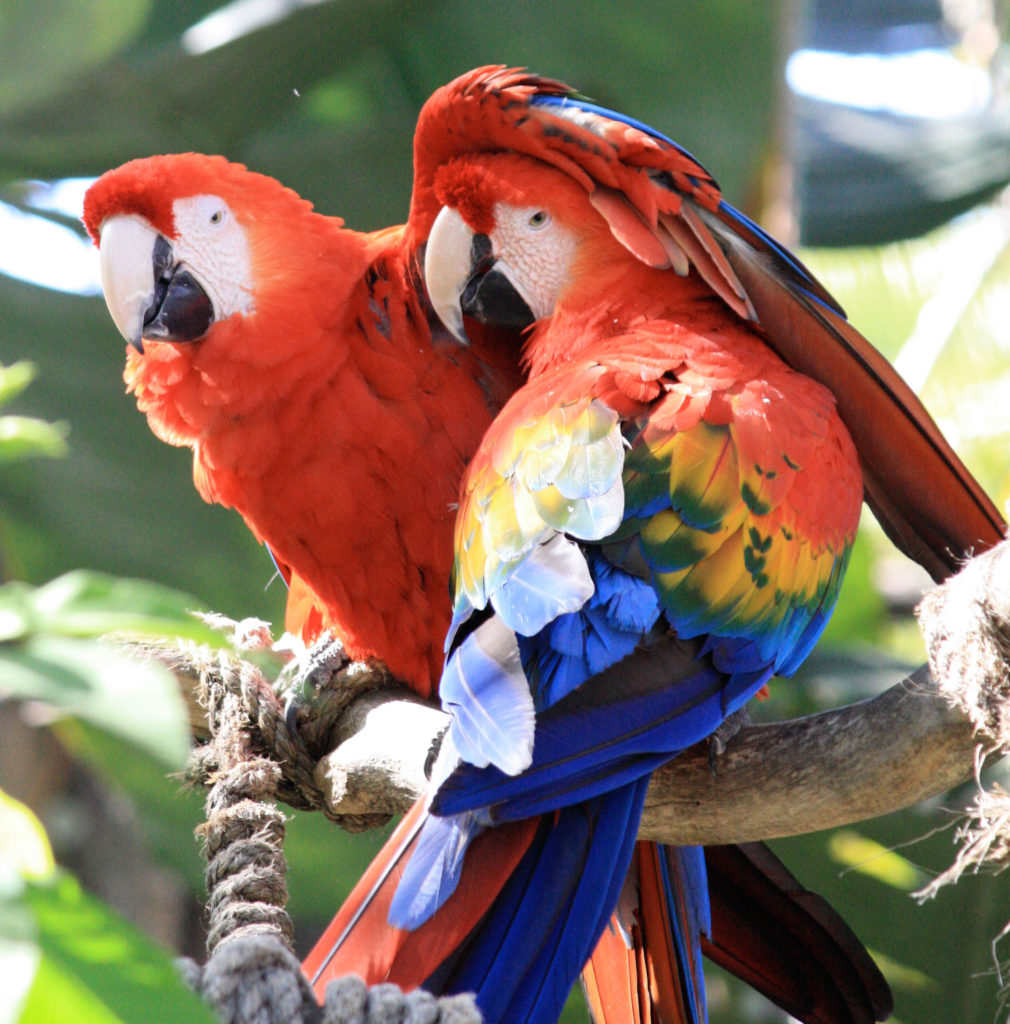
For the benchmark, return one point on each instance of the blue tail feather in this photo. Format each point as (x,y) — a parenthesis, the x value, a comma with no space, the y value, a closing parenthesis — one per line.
(552,911)
(685,880)
(597,733)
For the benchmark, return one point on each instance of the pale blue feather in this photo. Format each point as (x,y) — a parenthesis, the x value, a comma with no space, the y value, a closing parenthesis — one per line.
(552,580)
(485,691)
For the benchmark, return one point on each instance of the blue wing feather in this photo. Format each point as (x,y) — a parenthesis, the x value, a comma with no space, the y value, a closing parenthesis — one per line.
(484,689)
(432,872)
(551,580)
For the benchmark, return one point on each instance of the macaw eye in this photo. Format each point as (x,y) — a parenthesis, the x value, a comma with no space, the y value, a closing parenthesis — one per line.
(217,216)
(539,219)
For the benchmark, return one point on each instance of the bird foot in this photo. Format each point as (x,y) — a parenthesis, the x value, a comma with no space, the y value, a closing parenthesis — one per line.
(309,670)
(719,740)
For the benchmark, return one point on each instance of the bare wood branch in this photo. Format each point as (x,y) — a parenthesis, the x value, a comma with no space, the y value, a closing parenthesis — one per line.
(914,741)
(772,780)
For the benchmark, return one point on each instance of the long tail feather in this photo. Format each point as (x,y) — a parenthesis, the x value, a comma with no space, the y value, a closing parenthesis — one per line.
(788,942)
(360,940)
(780,938)
(646,968)
(523,921)
(525,956)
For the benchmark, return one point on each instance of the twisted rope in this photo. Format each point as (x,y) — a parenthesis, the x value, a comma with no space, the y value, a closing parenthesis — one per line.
(257,981)
(295,752)
(252,975)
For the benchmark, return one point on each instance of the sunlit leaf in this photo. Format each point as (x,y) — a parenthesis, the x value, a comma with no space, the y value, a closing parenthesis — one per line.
(905,977)
(15,378)
(24,846)
(25,436)
(868,857)
(94,968)
(82,603)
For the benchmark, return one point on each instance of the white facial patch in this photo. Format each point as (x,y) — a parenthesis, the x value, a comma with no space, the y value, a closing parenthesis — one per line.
(534,252)
(211,244)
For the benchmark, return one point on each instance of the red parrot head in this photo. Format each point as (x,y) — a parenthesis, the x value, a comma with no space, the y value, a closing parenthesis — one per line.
(179,238)
(502,247)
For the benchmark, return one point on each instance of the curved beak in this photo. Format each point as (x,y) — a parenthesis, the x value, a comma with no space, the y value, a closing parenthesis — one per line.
(463,275)
(148,293)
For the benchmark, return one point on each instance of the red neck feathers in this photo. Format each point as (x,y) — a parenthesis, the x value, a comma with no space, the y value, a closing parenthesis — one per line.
(333,422)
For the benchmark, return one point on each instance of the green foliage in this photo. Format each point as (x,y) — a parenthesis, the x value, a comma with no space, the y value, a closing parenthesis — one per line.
(325,98)
(48,653)
(95,966)
(25,436)
(63,955)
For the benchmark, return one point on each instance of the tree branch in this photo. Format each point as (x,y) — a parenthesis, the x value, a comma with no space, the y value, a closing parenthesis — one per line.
(916,740)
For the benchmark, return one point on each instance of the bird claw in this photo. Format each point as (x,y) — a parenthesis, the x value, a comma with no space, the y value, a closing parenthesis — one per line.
(433,751)
(310,670)
(293,707)
(719,740)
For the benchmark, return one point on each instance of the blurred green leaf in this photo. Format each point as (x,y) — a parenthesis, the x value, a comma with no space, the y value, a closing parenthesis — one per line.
(23,436)
(48,653)
(24,846)
(904,977)
(75,37)
(138,702)
(15,378)
(82,603)
(94,968)
(870,858)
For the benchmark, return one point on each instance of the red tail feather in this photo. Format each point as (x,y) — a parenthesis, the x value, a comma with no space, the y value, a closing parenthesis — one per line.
(638,983)
(782,939)
(359,940)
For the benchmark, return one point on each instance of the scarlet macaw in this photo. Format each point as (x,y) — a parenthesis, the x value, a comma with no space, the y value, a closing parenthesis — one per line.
(256,328)
(296,358)
(711,542)
(351,302)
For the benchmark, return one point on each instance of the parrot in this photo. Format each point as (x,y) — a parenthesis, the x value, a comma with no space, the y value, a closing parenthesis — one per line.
(323,400)
(181,281)
(654,525)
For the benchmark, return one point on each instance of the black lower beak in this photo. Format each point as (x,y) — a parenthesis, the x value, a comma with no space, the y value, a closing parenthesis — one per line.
(491,298)
(181,309)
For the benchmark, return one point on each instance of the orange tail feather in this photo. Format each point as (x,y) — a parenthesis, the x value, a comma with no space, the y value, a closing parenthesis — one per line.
(638,983)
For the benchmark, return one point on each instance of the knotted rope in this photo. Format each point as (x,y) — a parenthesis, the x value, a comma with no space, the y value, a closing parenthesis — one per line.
(252,758)
(227,684)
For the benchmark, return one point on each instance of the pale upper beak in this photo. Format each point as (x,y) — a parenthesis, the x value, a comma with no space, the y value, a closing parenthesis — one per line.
(463,275)
(148,293)
(126,252)
(447,268)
